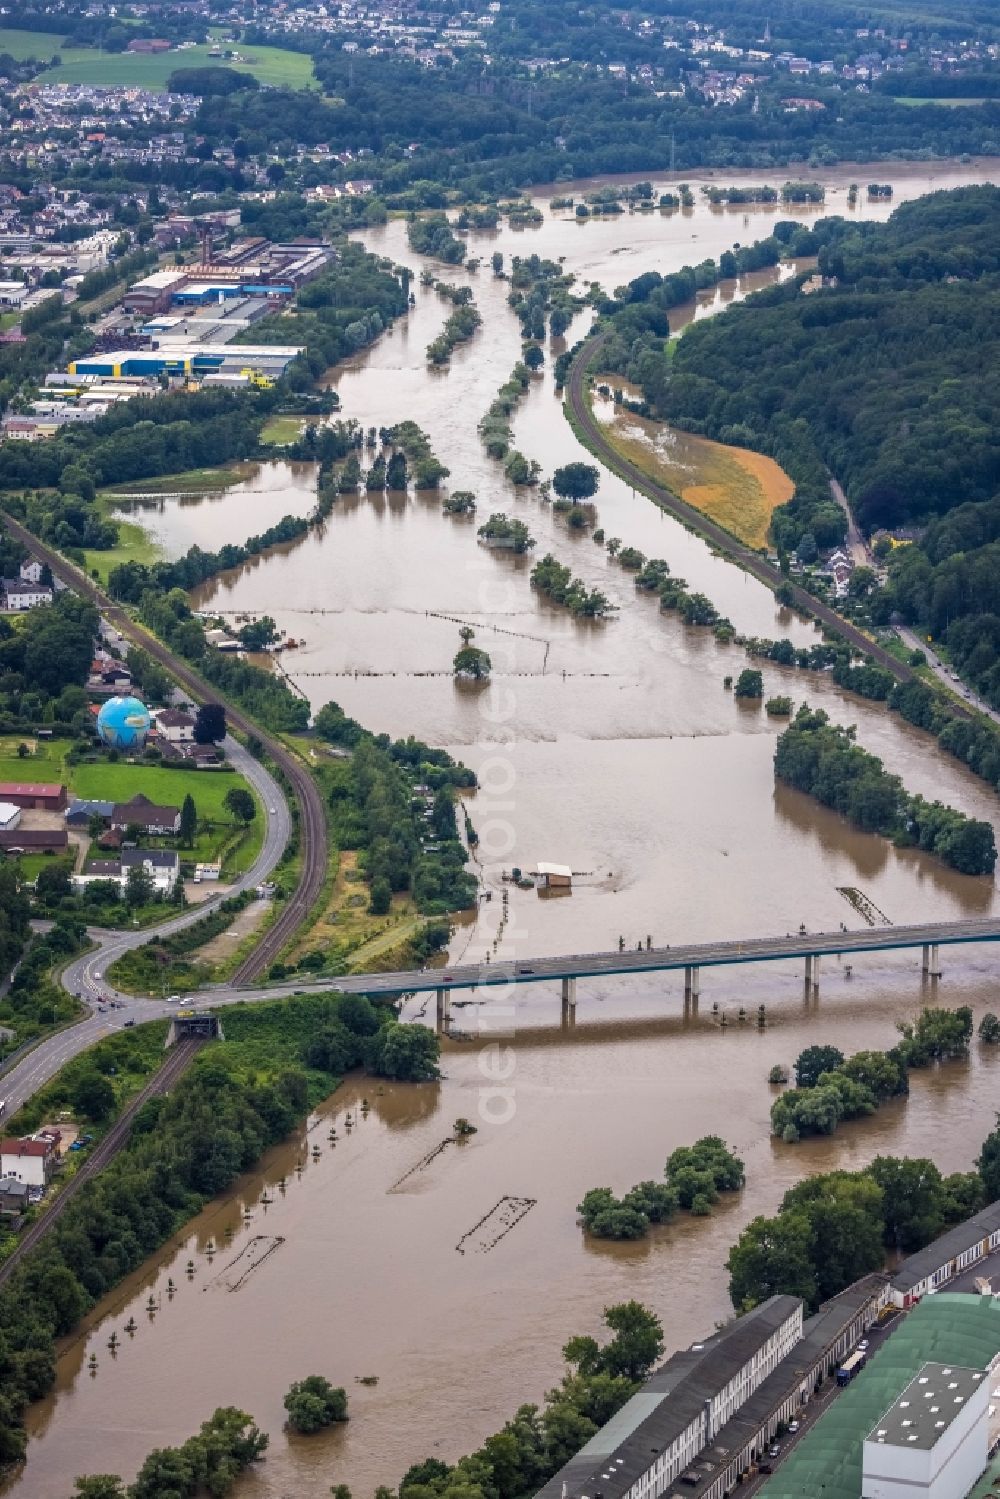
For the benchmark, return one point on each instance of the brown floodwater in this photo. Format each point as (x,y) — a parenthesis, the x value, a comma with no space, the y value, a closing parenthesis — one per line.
(611,747)
(390,1264)
(265,493)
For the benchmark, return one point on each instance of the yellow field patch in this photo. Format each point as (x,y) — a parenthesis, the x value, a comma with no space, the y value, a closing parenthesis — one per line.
(735,487)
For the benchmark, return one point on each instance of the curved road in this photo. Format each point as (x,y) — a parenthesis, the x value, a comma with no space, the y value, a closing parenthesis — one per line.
(85,975)
(312,817)
(702,525)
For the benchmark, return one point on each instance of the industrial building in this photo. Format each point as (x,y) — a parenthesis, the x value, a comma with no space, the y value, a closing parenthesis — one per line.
(253,268)
(932,1441)
(845,1455)
(681,1410)
(703,1423)
(948,1256)
(175,357)
(153,293)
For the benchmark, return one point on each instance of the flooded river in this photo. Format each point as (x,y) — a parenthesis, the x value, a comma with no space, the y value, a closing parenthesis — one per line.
(369,1278)
(610,747)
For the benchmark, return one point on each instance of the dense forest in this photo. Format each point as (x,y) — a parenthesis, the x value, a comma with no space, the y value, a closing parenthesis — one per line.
(876,377)
(948,584)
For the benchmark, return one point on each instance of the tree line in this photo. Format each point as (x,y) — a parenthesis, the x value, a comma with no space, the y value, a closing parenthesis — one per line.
(832,1229)
(822,759)
(186,1147)
(830,1087)
(695,1176)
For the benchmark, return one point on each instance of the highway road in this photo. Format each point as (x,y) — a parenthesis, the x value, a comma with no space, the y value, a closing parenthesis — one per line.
(40,1064)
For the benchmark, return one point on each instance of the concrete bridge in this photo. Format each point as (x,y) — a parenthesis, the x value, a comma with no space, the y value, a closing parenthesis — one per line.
(812,947)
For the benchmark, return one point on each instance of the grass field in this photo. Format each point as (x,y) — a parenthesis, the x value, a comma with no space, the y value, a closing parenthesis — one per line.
(948,103)
(736,487)
(270,65)
(191,481)
(47,764)
(282,429)
(41,45)
(166,787)
(134,545)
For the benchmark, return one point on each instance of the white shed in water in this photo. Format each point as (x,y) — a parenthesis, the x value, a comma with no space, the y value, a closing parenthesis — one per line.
(555,876)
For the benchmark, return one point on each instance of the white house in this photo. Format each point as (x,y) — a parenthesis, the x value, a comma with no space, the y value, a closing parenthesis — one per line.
(29,1161)
(175,726)
(10,816)
(161,864)
(31,570)
(19,595)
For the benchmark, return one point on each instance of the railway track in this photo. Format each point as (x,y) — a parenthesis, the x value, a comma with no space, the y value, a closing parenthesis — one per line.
(312,817)
(178,1060)
(695,520)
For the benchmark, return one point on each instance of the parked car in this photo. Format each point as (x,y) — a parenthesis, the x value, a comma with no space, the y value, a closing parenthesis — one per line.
(793,1426)
(774,1451)
(188,1001)
(863,1345)
(128,1022)
(173,999)
(764,1468)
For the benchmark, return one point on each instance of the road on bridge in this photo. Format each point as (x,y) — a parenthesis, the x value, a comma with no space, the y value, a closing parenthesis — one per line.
(39,1065)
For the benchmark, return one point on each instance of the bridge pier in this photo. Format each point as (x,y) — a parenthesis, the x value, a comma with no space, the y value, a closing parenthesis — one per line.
(812,971)
(692,982)
(930,965)
(443,1009)
(569,992)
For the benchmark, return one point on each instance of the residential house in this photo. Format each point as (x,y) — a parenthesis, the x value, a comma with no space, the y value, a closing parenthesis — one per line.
(175,726)
(31,1161)
(10,816)
(161,864)
(19,594)
(79,813)
(140,812)
(31,570)
(13,1196)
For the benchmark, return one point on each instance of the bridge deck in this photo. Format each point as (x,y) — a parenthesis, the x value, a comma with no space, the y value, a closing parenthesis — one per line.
(662,959)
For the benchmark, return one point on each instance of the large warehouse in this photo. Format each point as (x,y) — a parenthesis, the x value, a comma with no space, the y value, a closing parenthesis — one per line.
(180,358)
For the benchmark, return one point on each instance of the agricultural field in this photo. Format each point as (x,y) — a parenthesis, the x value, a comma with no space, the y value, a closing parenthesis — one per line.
(735,487)
(274,66)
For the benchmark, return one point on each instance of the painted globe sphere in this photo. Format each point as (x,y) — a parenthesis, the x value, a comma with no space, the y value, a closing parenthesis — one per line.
(123,723)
